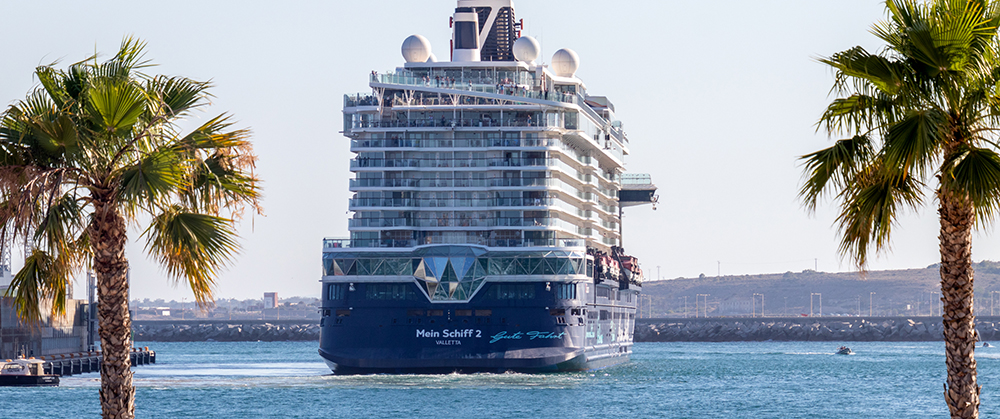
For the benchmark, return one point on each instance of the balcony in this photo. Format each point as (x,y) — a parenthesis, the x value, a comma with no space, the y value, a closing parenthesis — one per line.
(451,183)
(461,222)
(454,143)
(448,203)
(480,85)
(452,123)
(386,243)
(365,162)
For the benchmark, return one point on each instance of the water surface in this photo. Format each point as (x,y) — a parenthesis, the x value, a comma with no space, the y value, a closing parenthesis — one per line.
(676,380)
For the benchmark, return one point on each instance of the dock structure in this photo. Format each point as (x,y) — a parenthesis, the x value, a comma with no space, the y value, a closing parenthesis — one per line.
(84,362)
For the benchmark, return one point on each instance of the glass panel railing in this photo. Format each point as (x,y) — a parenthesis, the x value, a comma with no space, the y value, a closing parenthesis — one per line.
(482,241)
(450,202)
(362,162)
(478,85)
(449,123)
(461,222)
(360,99)
(453,143)
(636,179)
(336,243)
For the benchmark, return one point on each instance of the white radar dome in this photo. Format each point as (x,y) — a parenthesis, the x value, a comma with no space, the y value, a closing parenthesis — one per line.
(431,58)
(416,49)
(565,62)
(527,49)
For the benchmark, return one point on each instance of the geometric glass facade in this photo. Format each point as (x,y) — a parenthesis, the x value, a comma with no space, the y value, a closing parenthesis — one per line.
(455,273)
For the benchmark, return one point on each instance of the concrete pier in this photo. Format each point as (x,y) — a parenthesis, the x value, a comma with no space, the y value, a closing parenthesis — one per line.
(84,362)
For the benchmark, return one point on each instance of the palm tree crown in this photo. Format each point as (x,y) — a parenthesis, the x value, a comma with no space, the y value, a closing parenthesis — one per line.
(926,107)
(89,153)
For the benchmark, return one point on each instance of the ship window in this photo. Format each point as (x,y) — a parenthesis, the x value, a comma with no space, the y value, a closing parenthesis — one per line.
(414,312)
(389,292)
(513,291)
(557,312)
(565,291)
(484,312)
(335,291)
(575,311)
(604,292)
(605,315)
(435,313)
(343,313)
(463,312)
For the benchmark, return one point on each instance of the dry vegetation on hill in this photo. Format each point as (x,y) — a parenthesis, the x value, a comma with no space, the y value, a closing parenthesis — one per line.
(897,293)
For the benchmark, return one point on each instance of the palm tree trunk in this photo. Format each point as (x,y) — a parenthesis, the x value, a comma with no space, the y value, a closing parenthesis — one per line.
(961,391)
(108,233)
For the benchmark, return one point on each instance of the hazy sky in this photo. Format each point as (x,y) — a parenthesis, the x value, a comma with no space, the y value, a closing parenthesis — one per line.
(718,99)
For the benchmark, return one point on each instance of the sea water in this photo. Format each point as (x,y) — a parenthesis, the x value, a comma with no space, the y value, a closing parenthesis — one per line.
(673,380)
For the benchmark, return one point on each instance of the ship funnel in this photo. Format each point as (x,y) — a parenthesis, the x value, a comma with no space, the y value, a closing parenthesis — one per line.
(466,35)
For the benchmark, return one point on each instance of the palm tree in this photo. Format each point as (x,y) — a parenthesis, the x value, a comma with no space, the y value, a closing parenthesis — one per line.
(924,108)
(88,154)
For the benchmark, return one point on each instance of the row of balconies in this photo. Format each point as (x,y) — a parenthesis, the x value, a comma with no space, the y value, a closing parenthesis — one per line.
(451,183)
(461,222)
(481,241)
(368,162)
(454,143)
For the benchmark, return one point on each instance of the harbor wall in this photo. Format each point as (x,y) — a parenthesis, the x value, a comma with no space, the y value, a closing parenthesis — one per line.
(224,331)
(646,330)
(803,329)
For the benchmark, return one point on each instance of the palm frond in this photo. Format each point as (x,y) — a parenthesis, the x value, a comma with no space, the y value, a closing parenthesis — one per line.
(870,209)
(975,173)
(192,247)
(151,179)
(911,144)
(888,76)
(42,279)
(115,105)
(178,94)
(837,164)
(51,80)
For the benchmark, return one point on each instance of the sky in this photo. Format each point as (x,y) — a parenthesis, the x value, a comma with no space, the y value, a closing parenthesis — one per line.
(719,99)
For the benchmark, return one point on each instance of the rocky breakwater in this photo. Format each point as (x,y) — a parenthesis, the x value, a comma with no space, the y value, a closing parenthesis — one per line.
(265,332)
(796,329)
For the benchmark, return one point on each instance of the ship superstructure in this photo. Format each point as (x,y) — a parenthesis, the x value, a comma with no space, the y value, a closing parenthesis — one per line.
(485,233)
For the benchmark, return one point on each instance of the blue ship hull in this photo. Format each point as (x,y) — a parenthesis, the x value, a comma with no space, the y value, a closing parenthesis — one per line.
(540,334)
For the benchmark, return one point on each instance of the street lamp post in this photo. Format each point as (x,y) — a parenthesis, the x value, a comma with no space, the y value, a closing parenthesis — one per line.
(706,304)
(870,310)
(820,295)
(754,303)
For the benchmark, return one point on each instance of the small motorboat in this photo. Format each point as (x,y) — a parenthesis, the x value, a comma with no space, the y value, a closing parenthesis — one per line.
(26,372)
(987,345)
(843,350)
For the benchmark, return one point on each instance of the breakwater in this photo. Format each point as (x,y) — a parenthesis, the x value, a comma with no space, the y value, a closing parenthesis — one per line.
(236,331)
(803,329)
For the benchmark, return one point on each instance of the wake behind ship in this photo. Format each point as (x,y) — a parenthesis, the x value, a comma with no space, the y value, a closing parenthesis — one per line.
(486,232)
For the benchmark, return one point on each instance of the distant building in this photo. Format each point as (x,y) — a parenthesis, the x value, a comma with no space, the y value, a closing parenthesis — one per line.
(270,300)
(737,307)
(57,335)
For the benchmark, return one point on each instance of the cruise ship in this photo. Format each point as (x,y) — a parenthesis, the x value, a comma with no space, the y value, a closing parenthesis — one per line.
(485,233)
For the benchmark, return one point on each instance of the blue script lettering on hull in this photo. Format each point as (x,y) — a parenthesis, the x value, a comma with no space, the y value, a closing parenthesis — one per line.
(532,335)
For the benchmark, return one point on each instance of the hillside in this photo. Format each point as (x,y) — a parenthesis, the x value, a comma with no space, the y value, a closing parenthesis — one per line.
(897,293)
